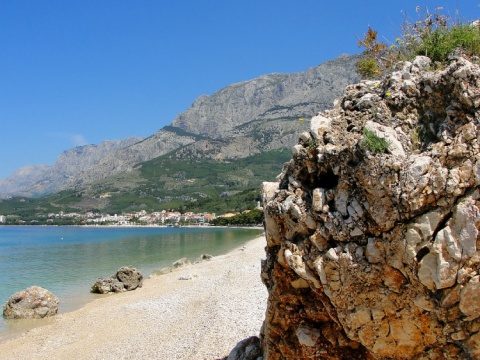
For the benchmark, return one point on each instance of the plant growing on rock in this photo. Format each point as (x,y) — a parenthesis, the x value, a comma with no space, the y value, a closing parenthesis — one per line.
(373,142)
(437,36)
(311,144)
(371,65)
(433,35)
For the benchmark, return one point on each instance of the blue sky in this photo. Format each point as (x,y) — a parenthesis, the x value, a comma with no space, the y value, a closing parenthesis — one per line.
(80,72)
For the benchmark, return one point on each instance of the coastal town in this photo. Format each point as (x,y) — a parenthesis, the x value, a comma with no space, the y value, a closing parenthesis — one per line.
(160,218)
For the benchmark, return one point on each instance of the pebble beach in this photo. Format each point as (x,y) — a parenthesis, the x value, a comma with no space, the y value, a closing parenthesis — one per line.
(200,311)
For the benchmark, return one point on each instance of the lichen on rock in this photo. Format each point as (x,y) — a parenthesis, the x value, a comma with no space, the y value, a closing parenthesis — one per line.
(375,255)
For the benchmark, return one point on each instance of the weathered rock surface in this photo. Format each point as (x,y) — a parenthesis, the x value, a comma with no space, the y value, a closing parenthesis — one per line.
(247,349)
(206,257)
(181,263)
(31,303)
(125,279)
(162,271)
(375,255)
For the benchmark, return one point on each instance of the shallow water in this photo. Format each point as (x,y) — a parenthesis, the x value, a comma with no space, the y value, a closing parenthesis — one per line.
(67,260)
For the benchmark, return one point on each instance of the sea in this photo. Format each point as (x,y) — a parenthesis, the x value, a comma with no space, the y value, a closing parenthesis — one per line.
(67,260)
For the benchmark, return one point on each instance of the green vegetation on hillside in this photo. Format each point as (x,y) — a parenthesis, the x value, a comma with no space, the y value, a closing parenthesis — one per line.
(254,217)
(433,35)
(164,183)
(37,209)
(208,185)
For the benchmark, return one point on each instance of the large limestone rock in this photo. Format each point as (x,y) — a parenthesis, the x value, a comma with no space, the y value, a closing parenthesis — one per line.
(126,278)
(31,303)
(375,255)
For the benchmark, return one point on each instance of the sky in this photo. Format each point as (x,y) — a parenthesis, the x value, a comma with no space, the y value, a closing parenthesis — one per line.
(79,72)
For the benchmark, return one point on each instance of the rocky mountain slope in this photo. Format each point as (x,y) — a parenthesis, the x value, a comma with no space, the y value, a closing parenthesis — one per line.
(40,179)
(274,96)
(373,229)
(238,121)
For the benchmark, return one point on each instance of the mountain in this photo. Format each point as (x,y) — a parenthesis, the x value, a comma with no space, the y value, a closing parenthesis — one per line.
(239,121)
(34,180)
(268,97)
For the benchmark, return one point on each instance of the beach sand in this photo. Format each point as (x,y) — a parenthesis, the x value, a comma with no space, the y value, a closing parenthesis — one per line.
(223,303)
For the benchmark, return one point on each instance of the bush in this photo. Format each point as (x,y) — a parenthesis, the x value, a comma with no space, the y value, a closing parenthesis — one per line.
(370,65)
(368,68)
(443,41)
(435,36)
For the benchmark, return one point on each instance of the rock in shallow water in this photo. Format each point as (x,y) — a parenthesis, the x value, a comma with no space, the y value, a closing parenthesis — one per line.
(32,303)
(125,279)
(181,263)
(130,277)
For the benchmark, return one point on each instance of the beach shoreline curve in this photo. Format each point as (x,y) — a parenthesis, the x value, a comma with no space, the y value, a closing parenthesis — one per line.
(199,311)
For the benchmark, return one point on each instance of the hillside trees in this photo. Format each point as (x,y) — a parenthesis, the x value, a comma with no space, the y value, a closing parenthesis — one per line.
(253,217)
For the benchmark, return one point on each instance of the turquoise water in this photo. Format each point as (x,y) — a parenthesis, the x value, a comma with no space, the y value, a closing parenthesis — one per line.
(67,260)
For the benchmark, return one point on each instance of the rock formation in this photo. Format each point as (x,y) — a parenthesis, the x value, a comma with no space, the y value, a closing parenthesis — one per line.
(126,278)
(247,349)
(181,263)
(372,231)
(32,303)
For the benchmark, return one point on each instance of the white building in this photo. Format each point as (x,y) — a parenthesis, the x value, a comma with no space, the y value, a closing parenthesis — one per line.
(3,219)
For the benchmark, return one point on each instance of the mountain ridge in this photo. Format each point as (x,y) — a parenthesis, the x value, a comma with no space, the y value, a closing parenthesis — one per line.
(237,121)
(33,176)
(219,113)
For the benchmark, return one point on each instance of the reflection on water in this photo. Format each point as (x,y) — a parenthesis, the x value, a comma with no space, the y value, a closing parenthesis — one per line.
(67,260)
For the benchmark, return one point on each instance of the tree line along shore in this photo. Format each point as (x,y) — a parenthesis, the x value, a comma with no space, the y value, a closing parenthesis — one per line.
(142,218)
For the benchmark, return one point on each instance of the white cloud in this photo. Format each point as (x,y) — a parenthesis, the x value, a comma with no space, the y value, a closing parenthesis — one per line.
(79,140)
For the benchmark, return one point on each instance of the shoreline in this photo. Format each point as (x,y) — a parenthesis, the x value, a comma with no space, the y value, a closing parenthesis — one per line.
(222,302)
(70,275)
(260,227)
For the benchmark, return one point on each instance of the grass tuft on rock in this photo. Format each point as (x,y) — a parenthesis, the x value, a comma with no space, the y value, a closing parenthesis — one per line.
(373,142)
